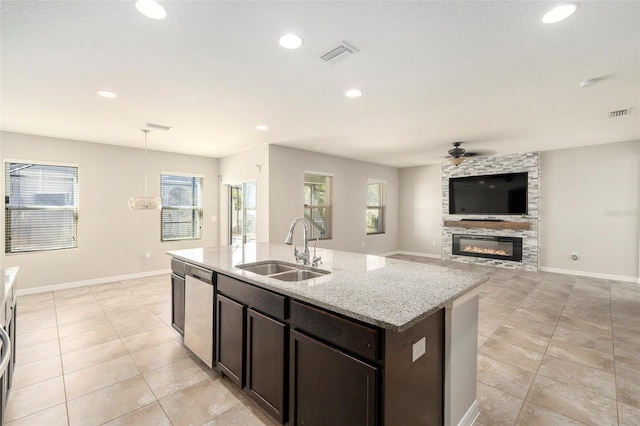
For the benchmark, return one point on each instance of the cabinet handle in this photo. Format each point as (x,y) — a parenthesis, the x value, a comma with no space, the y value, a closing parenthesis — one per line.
(6,350)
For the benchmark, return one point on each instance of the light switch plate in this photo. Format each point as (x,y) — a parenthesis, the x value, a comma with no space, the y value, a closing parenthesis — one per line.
(418,349)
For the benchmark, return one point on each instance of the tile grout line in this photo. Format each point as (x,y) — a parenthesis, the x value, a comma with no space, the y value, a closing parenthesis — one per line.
(613,350)
(64,383)
(545,354)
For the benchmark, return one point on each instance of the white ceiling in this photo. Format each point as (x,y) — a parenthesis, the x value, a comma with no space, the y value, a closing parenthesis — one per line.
(487,73)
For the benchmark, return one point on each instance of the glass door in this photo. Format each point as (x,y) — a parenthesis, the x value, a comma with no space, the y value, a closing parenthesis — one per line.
(242,213)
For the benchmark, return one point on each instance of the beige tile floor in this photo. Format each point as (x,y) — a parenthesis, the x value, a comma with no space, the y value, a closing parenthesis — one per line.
(552,350)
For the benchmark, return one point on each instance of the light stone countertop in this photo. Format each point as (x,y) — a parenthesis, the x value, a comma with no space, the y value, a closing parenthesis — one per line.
(388,293)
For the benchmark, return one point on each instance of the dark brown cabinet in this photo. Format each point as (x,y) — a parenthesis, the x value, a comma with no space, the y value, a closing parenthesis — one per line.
(251,339)
(177,295)
(177,305)
(329,387)
(265,363)
(230,332)
(306,365)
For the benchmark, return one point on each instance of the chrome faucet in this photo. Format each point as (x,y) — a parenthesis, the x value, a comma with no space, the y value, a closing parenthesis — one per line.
(299,256)
(316,259)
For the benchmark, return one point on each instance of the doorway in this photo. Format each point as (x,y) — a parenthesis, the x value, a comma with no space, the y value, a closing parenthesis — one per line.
(242,213)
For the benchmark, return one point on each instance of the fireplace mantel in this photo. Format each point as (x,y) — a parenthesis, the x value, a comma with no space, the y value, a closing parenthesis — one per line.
(487,224)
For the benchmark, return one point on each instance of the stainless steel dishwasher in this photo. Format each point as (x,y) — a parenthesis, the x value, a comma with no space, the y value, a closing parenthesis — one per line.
(198,312)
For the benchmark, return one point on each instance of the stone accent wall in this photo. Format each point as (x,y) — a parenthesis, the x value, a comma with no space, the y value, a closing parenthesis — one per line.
(512,163)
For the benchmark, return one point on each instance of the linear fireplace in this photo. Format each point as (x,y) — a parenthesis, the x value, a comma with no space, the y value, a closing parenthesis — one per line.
(488,246)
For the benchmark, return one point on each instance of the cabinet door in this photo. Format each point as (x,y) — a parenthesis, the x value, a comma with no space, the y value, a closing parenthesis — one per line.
(230,339)
(177,303)
(329,387)
(265,363)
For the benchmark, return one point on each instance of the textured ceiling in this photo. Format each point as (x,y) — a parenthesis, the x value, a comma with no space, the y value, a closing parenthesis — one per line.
(487,73)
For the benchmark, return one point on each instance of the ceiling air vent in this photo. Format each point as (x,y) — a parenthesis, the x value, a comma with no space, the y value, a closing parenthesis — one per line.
(618,113)
(341,51)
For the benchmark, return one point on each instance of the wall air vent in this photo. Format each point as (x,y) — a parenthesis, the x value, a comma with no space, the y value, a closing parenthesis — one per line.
(618,113)
(341,51)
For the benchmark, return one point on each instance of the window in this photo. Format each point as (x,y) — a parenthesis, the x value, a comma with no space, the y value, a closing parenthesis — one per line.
(41,207)
(375,206)
(318,207)
(181,217)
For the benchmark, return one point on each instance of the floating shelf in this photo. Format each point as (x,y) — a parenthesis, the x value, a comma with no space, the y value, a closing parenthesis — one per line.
(487,224)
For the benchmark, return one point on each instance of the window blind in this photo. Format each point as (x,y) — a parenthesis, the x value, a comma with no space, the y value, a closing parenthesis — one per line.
(181,217)
(41,203)
(375,206)
(318,205)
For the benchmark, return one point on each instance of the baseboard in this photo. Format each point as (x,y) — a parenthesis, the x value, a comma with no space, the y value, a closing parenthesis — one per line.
(622,278)
(411,253)
(104,280)
(471,415)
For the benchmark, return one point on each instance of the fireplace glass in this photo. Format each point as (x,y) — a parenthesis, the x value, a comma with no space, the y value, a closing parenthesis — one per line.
(488,246)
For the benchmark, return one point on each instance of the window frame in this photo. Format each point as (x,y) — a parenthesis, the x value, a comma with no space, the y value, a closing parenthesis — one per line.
(197,216)
(75,208)
(381,207)
(328,206)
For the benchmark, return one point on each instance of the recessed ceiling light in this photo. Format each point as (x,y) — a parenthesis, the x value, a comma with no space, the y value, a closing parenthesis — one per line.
(290,41)
(353,93)
(262,127)
(559,13)
(151,9)
(106,94)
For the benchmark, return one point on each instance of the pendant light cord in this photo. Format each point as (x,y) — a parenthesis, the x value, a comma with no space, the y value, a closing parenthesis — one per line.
(145,161)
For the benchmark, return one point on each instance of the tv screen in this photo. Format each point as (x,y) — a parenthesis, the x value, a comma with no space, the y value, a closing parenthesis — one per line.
(490,194)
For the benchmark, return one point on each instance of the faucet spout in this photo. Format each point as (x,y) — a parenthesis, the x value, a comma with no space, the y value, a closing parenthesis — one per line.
(289,240)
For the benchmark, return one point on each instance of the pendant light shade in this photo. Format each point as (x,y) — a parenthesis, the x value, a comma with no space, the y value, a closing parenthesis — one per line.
(146,202)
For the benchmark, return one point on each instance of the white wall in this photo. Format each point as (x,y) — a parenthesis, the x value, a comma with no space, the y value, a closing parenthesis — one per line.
(287,168)
(112,239)
(243,167)
(590,204)
(421,209)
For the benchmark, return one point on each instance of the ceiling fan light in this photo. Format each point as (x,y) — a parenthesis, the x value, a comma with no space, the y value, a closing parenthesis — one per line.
(456,161)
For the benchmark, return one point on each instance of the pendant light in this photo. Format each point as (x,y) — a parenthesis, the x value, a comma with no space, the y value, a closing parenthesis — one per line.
(146,202)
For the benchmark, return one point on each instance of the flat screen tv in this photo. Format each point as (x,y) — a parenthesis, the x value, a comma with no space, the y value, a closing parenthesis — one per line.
(500,194)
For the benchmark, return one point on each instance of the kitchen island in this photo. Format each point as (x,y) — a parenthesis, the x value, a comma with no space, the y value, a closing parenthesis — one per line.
(372,340)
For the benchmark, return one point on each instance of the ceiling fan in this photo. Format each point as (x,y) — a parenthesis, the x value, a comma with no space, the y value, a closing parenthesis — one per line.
(457,154)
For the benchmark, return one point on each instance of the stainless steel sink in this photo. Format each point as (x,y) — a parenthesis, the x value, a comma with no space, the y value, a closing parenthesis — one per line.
(283,271)
(299,275)
(267,268)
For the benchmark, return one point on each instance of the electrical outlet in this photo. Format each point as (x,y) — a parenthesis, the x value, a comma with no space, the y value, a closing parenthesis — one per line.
(574,255)
(418,349)
(147,255)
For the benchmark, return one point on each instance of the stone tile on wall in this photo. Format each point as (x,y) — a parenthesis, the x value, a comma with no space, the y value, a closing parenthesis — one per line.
(512,163)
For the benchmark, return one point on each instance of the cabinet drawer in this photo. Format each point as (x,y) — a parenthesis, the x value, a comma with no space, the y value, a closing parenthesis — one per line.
(257,298)
(177,267)
(347,334)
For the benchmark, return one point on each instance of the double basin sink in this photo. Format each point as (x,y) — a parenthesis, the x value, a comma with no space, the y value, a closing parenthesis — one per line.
(283,271)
